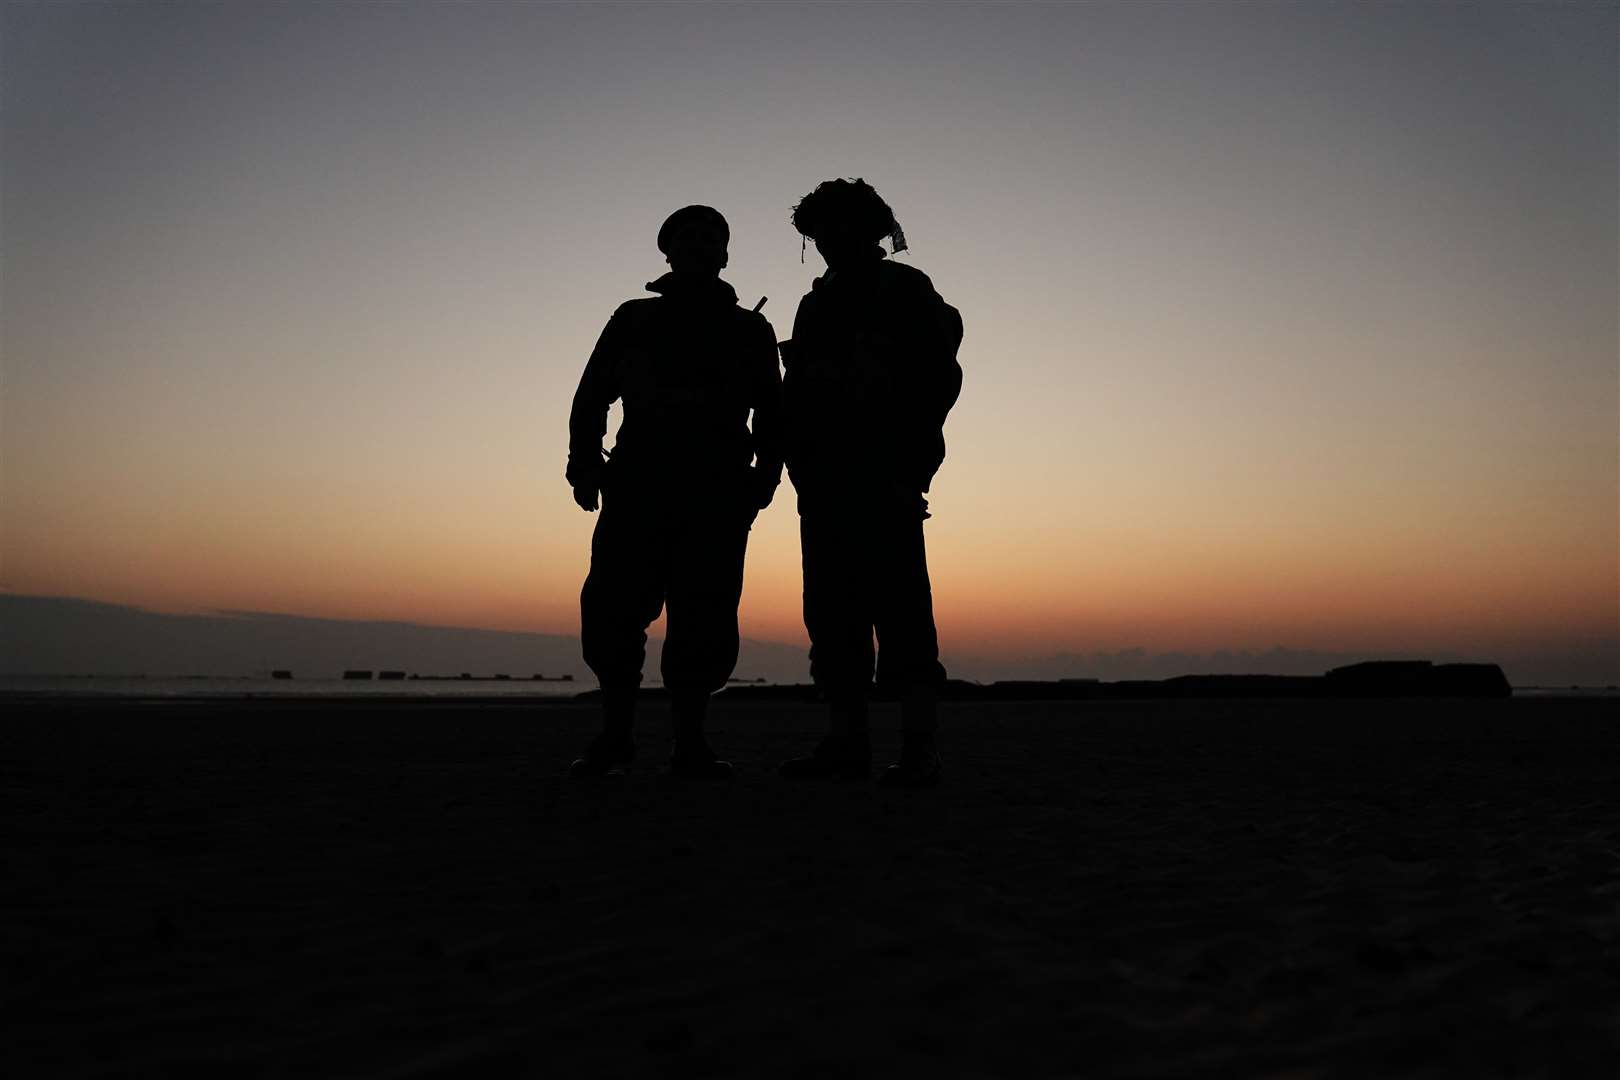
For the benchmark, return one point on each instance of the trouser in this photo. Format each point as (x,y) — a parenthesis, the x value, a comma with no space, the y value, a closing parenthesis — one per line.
(866,571)
(651,551)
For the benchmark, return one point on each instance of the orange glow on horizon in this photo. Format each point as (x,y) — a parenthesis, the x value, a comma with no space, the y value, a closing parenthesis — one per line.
(292,321)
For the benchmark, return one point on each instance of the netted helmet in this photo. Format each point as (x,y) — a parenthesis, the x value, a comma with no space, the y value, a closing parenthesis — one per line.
(851,206)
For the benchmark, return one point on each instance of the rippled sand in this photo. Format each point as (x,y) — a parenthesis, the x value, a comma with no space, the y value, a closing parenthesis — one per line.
(1108,889)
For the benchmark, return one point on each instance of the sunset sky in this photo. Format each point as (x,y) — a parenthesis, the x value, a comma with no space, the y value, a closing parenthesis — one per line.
(1285,324)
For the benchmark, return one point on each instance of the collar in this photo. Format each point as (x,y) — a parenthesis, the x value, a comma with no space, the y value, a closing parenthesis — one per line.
(692,287)
(865,266)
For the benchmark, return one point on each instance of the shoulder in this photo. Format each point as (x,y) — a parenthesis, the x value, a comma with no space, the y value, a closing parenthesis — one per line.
(753,322)
(902,278)
(915,290)
(744,317)
(630,316)
(632,309)
(814,297)
(749,325)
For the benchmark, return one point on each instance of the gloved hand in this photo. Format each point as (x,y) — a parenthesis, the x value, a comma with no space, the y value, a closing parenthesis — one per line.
(585,474)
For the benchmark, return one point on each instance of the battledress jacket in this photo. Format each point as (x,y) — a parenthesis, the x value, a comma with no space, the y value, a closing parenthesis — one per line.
(871,373)
(690,365)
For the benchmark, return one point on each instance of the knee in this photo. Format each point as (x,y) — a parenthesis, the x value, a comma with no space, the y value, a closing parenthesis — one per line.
(841,663)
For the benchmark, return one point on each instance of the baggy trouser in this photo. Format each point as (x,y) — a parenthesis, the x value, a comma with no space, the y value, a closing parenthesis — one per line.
(649,553)
(866,572)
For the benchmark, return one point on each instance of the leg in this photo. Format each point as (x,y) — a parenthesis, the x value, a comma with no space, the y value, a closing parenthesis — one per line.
(622,595)
(837,593)
(705,586)
(909,644)
(702,639)
(837,608)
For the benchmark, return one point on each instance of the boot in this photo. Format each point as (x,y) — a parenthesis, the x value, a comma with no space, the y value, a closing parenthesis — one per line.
(693,757)
(919,765)
(605,756)
(836,757)
(846,751)
(610,753)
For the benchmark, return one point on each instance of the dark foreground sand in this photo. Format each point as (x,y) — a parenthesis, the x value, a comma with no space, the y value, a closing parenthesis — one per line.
(1189,888)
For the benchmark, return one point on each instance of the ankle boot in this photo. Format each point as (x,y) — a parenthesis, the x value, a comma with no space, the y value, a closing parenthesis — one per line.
(919,765)
(845,753)
(693,757)
(611,752)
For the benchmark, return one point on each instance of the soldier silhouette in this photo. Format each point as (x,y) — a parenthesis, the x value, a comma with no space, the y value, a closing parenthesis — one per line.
(870,374)
(679,492)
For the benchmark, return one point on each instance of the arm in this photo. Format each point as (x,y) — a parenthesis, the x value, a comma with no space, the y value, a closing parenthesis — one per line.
(938,377)
(793,352)
(766,402)
(938,333)
(587,420)
(947,370)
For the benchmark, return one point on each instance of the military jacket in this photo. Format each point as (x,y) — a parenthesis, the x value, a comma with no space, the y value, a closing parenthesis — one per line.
(690,365)
(871,372)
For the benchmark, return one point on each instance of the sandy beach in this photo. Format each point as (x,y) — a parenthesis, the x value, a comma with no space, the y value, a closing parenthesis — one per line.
(1189,888)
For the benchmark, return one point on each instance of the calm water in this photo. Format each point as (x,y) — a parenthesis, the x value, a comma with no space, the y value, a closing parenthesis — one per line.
(227,687)
(112,686)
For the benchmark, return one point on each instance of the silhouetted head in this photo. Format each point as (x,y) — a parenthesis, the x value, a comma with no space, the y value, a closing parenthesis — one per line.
(693,240)
(846,219)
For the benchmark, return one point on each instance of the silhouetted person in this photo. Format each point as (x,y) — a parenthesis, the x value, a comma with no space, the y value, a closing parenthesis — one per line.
(871,372)
(680,490)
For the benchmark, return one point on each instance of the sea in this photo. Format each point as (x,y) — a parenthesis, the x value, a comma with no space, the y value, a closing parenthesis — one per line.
(219,686)
(204,687)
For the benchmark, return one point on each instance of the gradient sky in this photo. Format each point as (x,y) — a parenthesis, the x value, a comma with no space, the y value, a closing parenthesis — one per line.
(1286,324)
